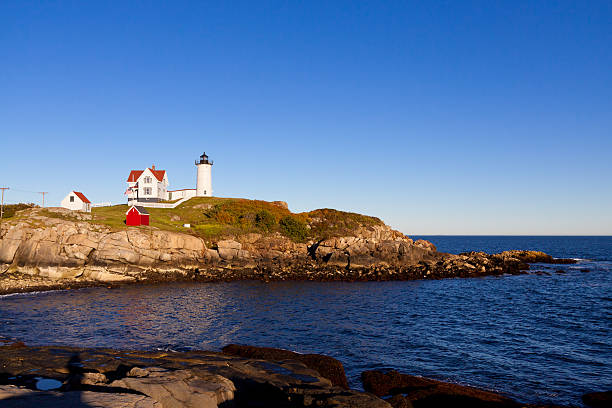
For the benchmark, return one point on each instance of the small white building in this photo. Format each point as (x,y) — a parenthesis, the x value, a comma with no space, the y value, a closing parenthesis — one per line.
(76,201)
(148,185)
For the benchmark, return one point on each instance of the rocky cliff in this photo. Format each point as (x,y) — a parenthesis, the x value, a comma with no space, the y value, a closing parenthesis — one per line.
(49,248)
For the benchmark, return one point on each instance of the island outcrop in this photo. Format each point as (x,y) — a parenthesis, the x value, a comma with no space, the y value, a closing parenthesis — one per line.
(54,248)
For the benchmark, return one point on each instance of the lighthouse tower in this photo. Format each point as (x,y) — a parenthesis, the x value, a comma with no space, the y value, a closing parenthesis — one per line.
(204,180)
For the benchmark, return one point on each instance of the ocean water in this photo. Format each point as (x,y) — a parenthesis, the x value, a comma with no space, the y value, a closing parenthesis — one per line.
(541,337)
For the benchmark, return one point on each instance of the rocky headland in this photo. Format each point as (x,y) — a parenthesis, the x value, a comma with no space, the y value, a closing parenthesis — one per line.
(54,248)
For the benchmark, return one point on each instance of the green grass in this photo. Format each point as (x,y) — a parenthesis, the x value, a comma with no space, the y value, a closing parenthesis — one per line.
(215,218)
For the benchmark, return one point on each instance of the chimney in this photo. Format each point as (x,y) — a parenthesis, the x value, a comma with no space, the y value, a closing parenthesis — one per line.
(153,167)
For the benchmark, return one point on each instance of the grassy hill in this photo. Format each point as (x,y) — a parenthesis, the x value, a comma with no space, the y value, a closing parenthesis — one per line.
(213,218)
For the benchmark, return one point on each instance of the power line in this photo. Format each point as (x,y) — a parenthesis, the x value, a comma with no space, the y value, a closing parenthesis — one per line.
(21,191)
(25,191)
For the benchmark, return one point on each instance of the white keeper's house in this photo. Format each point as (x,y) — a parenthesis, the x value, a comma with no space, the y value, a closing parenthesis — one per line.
(148,185)
(76,201)
(151,185)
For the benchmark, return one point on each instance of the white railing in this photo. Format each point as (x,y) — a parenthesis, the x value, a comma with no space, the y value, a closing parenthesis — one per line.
(101,205)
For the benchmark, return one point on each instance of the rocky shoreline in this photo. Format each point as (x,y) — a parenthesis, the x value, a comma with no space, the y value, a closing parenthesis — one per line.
(239,376)
(39,252)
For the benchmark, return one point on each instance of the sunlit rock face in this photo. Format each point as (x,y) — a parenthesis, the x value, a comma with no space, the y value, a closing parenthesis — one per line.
(39,251)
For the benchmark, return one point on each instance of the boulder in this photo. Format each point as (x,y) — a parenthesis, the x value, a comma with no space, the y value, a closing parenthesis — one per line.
(425,244)
(328,367)
(229,244)
(229,249)
(180,388)
(93,378)
(425,392)
(228,253)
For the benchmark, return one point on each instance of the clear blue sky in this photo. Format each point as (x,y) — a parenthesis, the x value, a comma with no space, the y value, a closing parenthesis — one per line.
(454,117)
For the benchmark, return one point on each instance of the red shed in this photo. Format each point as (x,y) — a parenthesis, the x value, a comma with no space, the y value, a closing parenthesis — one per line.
(137,215)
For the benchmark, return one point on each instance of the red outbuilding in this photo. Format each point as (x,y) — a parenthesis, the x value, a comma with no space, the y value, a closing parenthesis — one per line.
(137,215)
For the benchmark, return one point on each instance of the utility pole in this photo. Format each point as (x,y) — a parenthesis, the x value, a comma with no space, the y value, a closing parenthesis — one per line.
(2,205)
(43,194)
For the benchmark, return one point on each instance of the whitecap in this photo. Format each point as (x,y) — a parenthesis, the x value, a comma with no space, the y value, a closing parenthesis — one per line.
(38,292)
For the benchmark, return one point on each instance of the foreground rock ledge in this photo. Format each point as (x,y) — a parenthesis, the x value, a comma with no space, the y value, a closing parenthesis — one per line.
(38,252)
(267,377)
(112,378)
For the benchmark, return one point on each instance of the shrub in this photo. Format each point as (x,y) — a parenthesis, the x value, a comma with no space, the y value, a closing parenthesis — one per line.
(265,220)
(11,209)
(327,223)
(225,217)
(293,228)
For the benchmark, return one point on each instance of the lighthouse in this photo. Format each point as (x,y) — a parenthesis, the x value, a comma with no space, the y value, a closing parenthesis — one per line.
(204,180)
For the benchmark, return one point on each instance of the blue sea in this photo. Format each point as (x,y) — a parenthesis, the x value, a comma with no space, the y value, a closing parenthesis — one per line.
(542,337)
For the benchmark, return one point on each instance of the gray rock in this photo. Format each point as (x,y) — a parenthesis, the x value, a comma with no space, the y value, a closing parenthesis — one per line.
(229,244)
(180,388)
(227,253)
(94,378)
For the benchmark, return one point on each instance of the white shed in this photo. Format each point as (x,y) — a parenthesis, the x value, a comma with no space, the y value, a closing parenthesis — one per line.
(76,201)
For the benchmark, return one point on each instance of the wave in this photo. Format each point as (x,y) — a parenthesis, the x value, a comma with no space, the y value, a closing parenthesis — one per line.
(36,292)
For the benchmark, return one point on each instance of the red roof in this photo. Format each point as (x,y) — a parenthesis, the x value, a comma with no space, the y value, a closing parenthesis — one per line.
(159,174)
(139,208)
(82,197)
(135,174)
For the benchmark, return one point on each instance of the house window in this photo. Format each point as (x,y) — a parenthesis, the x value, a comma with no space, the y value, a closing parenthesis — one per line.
(72,199)
(147,190)
(147,180)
